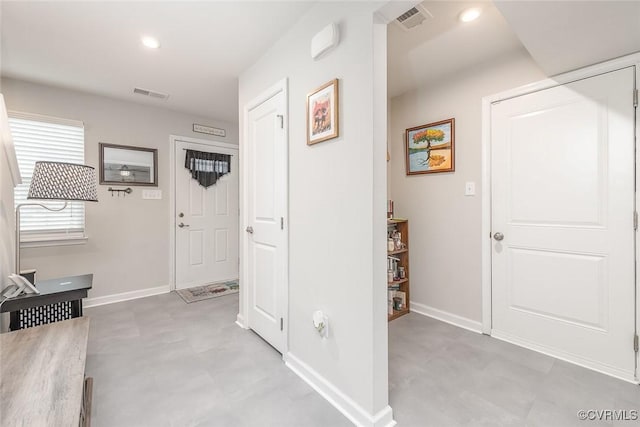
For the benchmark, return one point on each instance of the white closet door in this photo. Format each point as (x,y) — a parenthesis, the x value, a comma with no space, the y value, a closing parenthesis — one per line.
(562,221)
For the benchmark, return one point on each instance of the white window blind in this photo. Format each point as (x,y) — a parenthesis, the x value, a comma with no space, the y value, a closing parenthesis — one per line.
(46,138)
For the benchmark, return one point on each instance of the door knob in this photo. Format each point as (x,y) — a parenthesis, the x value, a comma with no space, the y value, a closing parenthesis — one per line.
(498,236)
(249,229)
(182,225)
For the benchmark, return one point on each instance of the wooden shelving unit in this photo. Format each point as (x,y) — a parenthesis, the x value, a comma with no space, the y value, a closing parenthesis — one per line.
(402,226)
(401,251)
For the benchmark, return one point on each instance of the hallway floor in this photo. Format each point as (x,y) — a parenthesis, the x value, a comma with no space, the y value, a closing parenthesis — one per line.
(441,375)
(159,362)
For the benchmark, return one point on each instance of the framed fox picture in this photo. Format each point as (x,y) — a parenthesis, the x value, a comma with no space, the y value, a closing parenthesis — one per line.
(322,113)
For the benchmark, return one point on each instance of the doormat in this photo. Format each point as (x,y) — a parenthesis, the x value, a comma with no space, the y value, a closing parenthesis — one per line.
(200,293)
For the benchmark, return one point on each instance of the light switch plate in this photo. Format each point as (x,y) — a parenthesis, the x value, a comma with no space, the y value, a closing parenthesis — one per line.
(152,194)
(470,189)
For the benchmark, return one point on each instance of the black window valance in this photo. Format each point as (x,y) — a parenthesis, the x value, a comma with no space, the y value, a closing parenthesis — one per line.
(207,168)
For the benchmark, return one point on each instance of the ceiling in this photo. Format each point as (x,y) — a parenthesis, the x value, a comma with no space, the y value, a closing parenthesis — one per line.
(96,47)
(560,36)
(442,45)
(567,35)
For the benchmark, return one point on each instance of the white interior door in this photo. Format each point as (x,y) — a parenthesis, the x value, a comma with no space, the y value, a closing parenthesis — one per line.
(206,222)
(562,221)
(266,219)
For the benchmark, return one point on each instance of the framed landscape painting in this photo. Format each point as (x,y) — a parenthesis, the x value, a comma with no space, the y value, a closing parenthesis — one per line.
(430,148)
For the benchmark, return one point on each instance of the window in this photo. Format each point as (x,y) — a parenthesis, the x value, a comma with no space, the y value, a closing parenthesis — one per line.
(58,140)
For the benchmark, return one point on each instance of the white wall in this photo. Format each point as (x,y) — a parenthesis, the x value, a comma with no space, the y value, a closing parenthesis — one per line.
(7,217)
(337,225)
(7,243)
(445,226)
(128,246)
(7,251)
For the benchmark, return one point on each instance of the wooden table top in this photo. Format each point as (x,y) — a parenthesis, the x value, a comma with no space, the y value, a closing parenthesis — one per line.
(42,374)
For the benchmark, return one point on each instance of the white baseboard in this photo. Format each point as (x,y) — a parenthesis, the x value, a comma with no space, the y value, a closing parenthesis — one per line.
(350,409)
(240,321)
(447,317)
(567,357)
(125,296)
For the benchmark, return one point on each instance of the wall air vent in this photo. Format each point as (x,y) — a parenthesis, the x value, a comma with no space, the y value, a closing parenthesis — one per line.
(413,17)
(150,93)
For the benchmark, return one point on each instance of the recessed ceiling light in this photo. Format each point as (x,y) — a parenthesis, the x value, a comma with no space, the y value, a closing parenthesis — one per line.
(150,42)
(469,15)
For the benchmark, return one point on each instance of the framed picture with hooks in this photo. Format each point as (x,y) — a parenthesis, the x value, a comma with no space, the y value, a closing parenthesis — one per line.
(125,165)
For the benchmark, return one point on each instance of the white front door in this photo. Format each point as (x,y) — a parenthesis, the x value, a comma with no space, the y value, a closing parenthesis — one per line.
(206,222)
(562,221)
(266,174)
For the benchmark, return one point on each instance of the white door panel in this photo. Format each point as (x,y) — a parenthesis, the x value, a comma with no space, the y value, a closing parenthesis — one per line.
(563,197)
(207,245)
(538,274)
(267,208)
(222,245)
(538,170)
(264,274)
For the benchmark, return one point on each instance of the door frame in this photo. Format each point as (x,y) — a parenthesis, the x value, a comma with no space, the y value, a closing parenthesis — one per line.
(562,79)
(242,320)
(172,194)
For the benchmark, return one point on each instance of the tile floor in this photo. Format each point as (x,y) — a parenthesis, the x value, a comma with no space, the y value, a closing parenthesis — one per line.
(441,375)
(160,362)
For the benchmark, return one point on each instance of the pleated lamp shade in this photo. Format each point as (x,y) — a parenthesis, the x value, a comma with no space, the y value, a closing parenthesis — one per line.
(63,181)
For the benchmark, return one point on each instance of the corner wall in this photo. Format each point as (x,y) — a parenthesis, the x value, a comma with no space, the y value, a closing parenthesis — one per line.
(445,225)
(7,216)
(128,246)
(337,225)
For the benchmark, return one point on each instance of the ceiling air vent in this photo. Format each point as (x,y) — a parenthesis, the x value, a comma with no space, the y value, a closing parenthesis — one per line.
(150,93)
(413,17)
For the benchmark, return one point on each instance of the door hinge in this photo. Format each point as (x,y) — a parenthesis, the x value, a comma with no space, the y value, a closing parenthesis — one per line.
(281,223)
(635,343)
(635,220)
(282,324)
(281,117)
(635,97)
